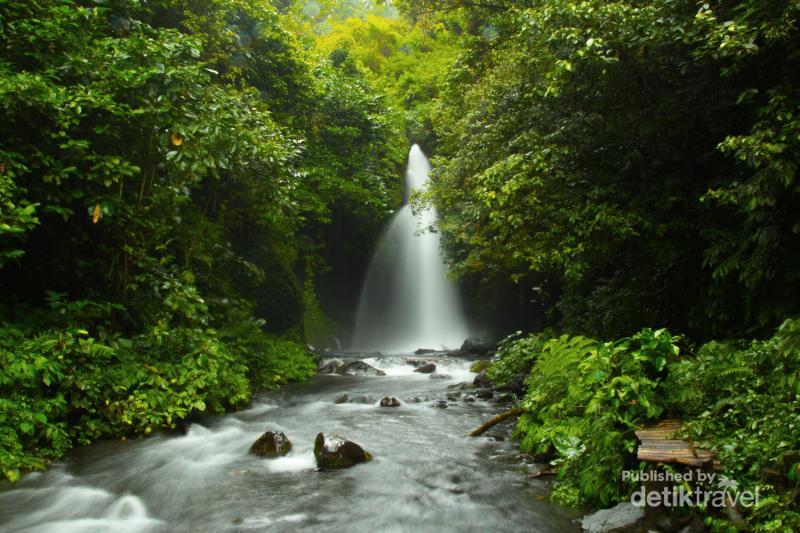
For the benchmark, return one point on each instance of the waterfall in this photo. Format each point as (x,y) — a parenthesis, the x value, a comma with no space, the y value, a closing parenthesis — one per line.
(406,301)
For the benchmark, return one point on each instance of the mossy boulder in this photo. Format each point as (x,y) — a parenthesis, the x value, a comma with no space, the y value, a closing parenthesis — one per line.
(334,452)
(480,366)
(271,444)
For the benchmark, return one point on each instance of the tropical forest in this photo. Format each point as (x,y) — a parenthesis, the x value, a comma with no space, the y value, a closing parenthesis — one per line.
(400,265)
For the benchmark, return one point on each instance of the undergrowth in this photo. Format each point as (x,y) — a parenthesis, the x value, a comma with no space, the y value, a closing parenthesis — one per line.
(585,398)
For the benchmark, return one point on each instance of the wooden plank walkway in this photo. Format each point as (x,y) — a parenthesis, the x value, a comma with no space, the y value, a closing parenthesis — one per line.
(658,446)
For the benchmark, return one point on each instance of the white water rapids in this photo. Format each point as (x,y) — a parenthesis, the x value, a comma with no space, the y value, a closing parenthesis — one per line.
(427,475)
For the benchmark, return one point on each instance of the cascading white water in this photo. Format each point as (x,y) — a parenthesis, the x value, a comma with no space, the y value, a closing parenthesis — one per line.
(406,301)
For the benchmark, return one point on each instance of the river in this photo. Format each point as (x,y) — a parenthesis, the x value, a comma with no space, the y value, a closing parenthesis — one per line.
(427,475)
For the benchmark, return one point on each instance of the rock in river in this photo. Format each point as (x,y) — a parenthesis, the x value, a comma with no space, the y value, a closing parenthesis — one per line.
(426,369)
(359,368)
(484,394)
(476,346)
(440,376)
(423,351)
(332,451)
(623,517)
(390,402)
(341,399)
(271,444)
(329,367)
(481,380)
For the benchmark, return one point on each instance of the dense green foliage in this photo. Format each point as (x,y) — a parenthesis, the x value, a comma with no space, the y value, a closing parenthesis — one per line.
(586,398)
(406,63)
(182,181)
(742,400)
(514,357)
(632,162)
(168,170)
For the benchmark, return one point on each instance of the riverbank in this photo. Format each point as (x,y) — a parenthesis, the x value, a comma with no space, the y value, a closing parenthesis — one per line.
(585,399)
(427,474)
(63,388)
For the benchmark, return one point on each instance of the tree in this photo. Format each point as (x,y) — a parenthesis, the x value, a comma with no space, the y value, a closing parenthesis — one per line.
(583,146)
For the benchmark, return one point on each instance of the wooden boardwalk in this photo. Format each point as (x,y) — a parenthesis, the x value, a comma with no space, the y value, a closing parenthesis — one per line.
(658,446)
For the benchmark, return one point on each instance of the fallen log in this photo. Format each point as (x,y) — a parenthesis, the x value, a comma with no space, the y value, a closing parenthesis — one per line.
(515,411)
(541,473)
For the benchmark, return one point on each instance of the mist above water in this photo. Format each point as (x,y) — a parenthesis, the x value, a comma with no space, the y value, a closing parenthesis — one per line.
(407,302)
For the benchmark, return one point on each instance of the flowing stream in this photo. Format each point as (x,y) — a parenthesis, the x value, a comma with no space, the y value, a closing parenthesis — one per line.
(407,302)
(427,475)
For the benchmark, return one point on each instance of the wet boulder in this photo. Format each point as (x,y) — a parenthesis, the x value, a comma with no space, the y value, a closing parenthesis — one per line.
(506,397)
(516,385)
(271,444)
(390,401)
(484,394)
(424,351)
(429,368)
(341,399)
(623,517)
(332,452)
(440,404)
(482,380)
(359,368)
(475,346)
(330,367)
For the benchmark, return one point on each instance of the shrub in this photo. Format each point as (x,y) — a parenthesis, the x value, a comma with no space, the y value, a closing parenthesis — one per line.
(741,400)
(584,400)
(515,356)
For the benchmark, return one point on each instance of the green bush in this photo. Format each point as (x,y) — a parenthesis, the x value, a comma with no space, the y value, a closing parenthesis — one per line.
(64,387)
(480,366)
(742,400)
(585,398)
(515,356)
